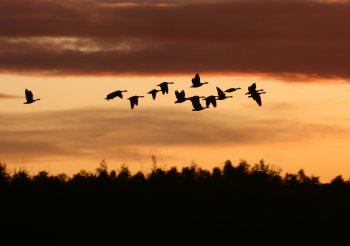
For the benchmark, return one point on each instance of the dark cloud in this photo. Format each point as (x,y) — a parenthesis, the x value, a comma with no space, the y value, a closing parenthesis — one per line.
(98,37)
(122,133)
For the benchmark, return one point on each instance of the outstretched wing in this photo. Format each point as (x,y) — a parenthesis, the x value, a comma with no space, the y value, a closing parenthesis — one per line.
(182,93)
(197,77)
(196,80)
(252,88)
(29,95)
(132,104)
(257,98)
(177,94)
(220,92)
(213,101)
(196,103)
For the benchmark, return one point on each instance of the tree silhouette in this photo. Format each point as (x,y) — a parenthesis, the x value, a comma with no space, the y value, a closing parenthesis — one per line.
(190,204)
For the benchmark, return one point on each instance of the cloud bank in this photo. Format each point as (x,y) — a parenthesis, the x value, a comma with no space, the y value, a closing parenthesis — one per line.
(289,37)
(94,133)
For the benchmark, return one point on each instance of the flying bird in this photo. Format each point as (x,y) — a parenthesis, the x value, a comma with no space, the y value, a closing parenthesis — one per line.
(180,96)
(153,93)
(232,89)
(210,100)
(196,103)
(255,94)
(134,100)
(196,81)
(114,94)
(164,87)
(29,97)
(221,94)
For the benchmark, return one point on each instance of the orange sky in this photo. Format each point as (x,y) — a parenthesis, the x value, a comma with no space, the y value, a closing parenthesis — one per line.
(71,54)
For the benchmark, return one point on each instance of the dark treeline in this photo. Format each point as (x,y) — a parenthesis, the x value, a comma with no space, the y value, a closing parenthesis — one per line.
(187,205)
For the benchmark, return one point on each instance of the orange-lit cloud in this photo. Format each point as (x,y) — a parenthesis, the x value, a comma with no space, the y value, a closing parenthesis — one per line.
(6,96)
(97,132)
(90,37)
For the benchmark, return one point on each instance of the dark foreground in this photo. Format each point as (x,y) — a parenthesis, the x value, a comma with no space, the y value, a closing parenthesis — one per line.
(235,205)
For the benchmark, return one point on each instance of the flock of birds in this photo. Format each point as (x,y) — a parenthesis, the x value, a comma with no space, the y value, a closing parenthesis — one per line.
(180,95)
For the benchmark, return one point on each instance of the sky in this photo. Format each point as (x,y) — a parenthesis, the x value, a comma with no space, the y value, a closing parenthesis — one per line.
(71,54)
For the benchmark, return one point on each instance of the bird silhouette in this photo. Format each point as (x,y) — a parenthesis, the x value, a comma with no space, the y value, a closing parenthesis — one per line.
(196,81)
(164,87)
(29,97)
(210,100)
(232,89)
(114,94)
(221,94)
(255,94)
(196,103)
(153,93)
(134,100)
(180,96)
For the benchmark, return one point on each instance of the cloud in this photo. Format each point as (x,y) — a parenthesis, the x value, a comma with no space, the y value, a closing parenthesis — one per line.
(101,37)
(6,96)
(94,133)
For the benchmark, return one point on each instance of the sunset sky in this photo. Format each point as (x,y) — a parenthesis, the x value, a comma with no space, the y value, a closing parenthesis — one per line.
(72,53)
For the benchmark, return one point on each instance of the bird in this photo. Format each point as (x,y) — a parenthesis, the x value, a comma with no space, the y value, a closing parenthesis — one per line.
(221,94)
(255,94)
(210,100)
(196,81)
(232,89)
(153,93)
(180,96)
(114,94)
(134,100)
(29,97)
(196,103)
(164,87)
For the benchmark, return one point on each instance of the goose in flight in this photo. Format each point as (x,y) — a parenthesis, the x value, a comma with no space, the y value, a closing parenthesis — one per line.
(196,81)
(221,94)
(196,103)
(134,100)
(255,94)
(153,93)
(232,89)
(114,94)
(180,96)
(210,100)
(29,97)
(164,87)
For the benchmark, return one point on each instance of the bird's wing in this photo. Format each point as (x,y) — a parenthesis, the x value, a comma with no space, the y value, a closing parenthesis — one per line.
(29,95)
(252,87)
(196,103)
(154,93)
(196,79)
(177,94)
(207,102)
(132,103)
(257,98)
(182,93)
(220,92)
(213,101)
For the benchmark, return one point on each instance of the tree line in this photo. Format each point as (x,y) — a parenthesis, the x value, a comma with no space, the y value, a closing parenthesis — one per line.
(188,205)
